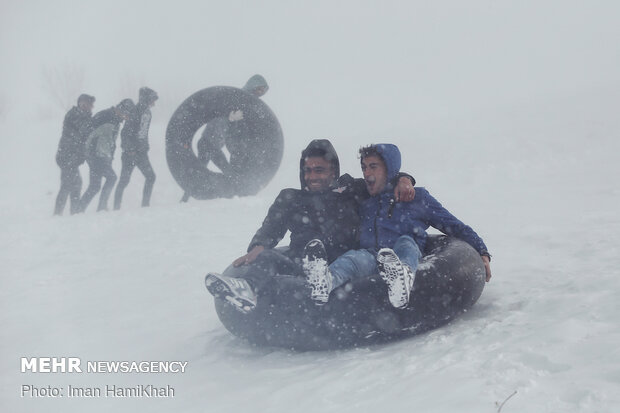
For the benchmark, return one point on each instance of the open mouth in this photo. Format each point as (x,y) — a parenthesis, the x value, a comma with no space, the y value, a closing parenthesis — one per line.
(315,185)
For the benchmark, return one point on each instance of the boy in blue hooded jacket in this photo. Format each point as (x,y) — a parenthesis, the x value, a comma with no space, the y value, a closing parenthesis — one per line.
(325,207)
(392,235)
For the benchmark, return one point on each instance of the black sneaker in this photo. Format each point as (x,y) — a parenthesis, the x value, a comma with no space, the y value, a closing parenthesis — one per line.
(398,277)
(314,263)
(236,291)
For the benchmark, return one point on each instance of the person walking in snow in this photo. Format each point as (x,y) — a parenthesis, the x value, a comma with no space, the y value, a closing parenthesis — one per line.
(100,148)
(326,207)
(392,235)
(226,131)
(135,146)
(70,154)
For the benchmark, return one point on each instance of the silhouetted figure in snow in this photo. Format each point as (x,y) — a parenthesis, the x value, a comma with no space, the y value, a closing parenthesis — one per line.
(135,146)
(229,131)
(70,154)
(100,148)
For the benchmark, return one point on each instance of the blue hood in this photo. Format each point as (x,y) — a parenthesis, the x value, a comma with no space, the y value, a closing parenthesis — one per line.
(391,157)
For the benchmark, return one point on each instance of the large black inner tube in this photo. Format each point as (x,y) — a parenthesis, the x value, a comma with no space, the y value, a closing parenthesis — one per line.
(255,158)
(449,280)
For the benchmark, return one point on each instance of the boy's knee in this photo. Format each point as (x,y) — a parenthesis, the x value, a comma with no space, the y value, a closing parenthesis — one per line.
(405,239)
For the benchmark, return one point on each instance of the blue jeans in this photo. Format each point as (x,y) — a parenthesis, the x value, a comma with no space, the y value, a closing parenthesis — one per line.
(356,264)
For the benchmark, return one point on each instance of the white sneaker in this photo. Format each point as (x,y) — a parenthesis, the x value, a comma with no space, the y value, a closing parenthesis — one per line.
(398,277)
(236,291)
(314,263)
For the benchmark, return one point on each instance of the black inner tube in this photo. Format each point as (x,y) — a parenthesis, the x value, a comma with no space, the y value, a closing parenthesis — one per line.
(255,157)
(449,280)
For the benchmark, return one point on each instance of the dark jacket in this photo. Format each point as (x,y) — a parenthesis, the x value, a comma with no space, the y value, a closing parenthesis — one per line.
(214,136)
(330,216)
(384,221)
(75,129)
(101,141)
(135,133)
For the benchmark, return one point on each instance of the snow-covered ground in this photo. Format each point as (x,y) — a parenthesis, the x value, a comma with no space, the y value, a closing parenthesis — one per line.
(532,167)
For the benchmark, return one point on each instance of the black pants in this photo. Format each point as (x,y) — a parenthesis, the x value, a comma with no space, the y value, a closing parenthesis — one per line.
(211,151)
(130,161)
(70,187)
(99,168)
(267,266)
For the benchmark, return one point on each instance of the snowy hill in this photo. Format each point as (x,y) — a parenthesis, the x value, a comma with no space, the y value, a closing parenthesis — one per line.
(526,155)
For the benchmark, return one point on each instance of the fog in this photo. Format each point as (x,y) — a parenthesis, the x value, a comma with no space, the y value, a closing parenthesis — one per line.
(506,111)
(339,60)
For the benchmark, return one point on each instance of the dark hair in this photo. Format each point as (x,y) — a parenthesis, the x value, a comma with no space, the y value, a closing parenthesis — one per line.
(312,152)
(320,152)
(147,95)
(126,106)
(370,150)
(86,98)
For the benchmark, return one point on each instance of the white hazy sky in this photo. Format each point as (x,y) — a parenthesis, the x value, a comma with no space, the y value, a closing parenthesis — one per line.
(506,110)
(340,58)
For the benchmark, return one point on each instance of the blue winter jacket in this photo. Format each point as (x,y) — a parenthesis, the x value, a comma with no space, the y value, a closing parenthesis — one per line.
(384,221)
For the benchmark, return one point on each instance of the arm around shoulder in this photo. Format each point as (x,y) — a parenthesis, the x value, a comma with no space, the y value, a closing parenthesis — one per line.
(404,190)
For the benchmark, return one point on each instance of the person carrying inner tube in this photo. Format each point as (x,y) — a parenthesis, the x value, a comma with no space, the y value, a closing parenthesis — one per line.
(325,208)
(392,235)
(227,131)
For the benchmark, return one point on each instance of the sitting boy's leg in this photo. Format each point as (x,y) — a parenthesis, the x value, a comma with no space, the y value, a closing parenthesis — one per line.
(245,287)
(236,291)
(324,279)
(268,265)
(352,265)
(407,251)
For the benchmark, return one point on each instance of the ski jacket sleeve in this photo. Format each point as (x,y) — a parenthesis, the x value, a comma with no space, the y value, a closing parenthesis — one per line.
(357,186)
(71,124)
(404,174)
(440,218)
(274,226)
(85,128)
(353,186)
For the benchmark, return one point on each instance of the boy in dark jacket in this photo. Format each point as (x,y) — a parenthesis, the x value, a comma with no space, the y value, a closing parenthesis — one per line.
(100,148)
(135,146)
(392,234)
(325,208)
(70,155)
